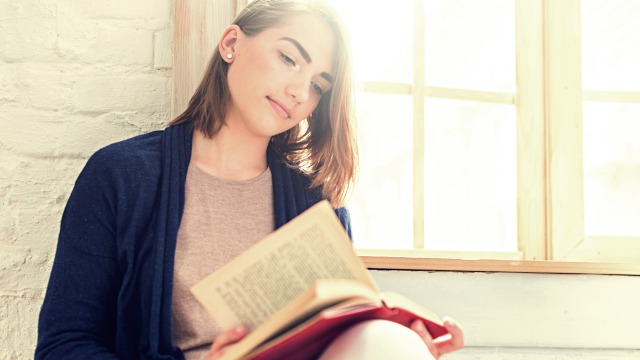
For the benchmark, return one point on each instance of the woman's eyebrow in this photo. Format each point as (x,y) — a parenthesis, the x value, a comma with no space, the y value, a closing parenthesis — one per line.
(306,56)
(300,48)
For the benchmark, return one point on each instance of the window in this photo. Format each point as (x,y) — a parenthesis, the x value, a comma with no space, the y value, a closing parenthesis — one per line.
(479,140)
(610,153)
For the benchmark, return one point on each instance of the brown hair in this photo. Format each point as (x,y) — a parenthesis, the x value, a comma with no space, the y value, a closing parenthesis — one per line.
(323,146)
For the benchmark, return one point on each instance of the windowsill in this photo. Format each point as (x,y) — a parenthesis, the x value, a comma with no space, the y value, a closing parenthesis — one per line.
(516,266)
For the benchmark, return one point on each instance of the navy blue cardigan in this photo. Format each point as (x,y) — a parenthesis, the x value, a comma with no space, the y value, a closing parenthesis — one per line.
(109,294)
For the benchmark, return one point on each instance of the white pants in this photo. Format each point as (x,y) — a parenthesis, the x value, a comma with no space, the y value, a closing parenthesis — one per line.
(377,340)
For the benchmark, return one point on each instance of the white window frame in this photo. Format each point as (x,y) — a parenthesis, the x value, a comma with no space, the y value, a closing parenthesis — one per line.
(549,161)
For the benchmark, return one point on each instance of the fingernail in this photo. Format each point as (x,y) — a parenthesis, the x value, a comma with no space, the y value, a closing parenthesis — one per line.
(419,326)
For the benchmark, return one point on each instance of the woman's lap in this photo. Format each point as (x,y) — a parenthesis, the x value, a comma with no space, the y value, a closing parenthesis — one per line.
(377,339)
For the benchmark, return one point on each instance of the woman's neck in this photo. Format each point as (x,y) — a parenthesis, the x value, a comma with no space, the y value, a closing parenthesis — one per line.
(229,155)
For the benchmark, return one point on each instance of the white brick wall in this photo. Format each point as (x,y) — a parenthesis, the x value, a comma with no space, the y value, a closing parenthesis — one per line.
(75,75)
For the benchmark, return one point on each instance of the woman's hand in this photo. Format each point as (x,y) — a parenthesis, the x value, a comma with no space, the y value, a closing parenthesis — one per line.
(444,344)
(223,340)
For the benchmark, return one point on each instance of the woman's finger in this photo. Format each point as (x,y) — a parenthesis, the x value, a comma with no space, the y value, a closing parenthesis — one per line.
(421,330)
(224,339)
(453,342)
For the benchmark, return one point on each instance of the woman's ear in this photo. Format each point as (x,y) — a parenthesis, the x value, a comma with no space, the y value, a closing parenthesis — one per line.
(228,43)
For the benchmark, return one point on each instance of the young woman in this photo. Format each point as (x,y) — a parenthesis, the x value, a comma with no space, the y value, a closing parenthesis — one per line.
(267,134)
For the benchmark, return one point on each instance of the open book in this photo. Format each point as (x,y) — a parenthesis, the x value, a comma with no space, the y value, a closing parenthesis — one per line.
(298,288)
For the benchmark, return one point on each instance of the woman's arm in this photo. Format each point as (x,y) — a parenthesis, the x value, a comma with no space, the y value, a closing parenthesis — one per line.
(345,219)
(78,316)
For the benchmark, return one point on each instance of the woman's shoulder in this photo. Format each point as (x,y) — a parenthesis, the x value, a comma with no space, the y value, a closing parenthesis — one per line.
(127,160)
(133,150)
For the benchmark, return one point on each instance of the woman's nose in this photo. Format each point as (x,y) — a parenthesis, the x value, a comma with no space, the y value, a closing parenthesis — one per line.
(298,89)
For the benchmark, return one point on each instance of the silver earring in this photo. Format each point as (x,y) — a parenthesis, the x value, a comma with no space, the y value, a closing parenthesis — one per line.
(229,56)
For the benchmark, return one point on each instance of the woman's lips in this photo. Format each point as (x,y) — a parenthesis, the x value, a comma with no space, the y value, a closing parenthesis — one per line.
(279,108)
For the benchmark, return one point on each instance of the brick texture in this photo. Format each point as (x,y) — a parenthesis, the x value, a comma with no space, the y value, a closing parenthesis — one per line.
(75,75)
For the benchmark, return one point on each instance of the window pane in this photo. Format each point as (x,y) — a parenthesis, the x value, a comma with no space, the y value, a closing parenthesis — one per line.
(470,176)
(610,45)
(381,38)
(381,205)
(470,44)
(612,169)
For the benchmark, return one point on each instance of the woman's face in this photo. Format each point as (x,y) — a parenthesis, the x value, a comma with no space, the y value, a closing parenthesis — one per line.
(277,77)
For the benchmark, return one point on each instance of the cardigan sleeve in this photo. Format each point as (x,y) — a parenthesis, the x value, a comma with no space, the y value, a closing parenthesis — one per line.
(77,318)
(345,219)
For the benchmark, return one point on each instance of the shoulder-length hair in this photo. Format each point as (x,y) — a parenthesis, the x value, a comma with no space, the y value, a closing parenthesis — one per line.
(323,146)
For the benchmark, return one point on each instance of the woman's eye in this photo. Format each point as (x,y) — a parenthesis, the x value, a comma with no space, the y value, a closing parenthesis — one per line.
(287,59)
(317,88)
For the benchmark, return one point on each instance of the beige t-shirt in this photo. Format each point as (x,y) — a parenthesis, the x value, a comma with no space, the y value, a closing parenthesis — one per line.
(221,219)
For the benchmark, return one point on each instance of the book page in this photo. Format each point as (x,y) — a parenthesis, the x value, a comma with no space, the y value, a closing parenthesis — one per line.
(262,280)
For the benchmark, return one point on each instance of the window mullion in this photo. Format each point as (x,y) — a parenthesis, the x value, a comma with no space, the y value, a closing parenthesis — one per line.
(563,82)
(612,96)
(418,125)
(530,129)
